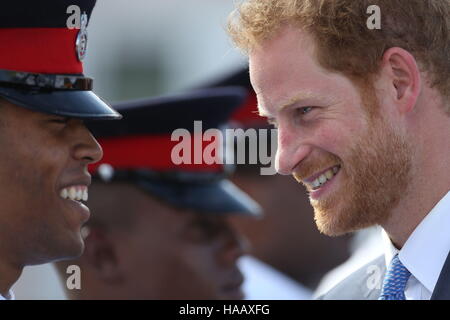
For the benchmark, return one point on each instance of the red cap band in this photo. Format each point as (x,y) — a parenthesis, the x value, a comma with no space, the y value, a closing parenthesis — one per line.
(248,114)
(39,50)
(154,153)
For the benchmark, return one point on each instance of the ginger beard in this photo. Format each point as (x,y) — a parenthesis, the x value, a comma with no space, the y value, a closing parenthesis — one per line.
(374,177)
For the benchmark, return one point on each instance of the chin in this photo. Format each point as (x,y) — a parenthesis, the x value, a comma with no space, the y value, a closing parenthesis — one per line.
(342,221)
(45,245)
(70,248)
(75,248)
(332,228)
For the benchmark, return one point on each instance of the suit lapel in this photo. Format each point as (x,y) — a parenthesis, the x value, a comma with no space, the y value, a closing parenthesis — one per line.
(374,293)
(442,288)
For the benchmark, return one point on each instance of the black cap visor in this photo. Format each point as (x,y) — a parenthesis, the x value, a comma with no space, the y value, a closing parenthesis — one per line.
(68,103)
(218,197)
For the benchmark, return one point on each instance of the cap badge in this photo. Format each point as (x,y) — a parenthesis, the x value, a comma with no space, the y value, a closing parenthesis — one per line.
(82,38)
(106,172)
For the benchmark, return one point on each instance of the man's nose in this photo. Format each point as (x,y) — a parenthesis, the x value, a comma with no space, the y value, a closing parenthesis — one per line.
(291,150)
(236,246)
(86,148)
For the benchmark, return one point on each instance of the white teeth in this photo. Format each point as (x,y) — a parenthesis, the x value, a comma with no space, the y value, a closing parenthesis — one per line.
(63,193)
(323,178)
(76,193)
(85,195)
(329,174)
(72,193)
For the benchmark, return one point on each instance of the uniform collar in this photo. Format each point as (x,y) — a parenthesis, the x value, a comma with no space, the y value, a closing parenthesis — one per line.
(10,296)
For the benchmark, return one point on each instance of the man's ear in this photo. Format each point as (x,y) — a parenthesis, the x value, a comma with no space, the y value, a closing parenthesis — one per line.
(100,253)
(404,81)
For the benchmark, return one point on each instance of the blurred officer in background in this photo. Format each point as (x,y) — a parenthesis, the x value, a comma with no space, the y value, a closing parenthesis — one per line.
(161,230)
(44,98)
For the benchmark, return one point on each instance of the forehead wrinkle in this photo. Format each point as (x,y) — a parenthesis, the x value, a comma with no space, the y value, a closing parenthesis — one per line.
(298,97)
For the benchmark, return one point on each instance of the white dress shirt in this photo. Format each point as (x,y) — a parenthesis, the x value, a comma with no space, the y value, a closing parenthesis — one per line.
(425,251)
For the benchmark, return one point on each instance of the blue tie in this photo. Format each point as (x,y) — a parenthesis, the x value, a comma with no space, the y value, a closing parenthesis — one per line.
(395,281)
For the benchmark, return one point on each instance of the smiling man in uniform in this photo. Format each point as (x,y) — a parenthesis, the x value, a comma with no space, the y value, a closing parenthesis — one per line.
(44,98)
(363,121)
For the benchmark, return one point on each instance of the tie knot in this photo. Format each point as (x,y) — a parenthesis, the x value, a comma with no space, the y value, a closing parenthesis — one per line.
(395,281)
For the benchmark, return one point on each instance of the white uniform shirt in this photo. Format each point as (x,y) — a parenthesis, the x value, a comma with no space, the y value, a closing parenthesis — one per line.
(10,296)
(263,282)
(425,251)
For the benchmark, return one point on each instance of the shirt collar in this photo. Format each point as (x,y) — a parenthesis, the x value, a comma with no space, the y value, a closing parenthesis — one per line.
(427,248)
(389,250)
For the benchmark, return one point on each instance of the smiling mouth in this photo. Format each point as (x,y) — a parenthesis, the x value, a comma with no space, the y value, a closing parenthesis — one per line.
(323,178)
(76,193)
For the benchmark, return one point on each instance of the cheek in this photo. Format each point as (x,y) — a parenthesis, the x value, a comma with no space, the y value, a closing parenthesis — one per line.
(29,168)
(337,137)
(27,200)
(201,260)
(39,177)
(331,139)
(25,179)
(31,164)
(184,266)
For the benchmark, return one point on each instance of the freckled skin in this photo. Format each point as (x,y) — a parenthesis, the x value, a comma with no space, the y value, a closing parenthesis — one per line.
(40,153)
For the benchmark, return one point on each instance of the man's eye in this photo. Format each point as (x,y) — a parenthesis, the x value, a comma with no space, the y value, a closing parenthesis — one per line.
(305,110)
(203,230)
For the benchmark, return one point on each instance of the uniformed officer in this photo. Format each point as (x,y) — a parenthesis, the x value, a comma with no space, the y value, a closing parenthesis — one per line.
(161,230)
(44,98)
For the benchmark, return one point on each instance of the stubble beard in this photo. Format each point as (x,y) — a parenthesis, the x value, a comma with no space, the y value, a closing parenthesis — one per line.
(375,176)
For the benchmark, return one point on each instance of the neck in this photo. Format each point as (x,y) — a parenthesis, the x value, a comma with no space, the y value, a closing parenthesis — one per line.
(430,182)
(409,214)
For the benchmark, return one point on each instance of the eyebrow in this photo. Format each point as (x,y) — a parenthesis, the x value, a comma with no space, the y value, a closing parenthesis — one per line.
(300,96)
